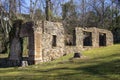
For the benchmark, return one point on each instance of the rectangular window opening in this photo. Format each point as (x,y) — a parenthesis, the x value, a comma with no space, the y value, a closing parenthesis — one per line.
(70,39)
(87,40)
(74,38)
(54,41)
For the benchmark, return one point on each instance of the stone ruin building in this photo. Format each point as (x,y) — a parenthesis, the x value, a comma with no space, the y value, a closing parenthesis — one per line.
(46,41)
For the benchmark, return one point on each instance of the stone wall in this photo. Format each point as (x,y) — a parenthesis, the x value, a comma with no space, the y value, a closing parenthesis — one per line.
(50,52)
(42,50)
(95,39)
(96,33)
(109,36)
(47,40)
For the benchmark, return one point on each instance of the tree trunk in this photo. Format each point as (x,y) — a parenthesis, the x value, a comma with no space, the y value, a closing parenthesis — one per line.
(12,8)
(48,10)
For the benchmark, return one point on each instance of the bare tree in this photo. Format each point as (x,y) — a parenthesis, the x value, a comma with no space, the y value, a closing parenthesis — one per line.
(48,10)
(12,8)
(33,5)
(83,15)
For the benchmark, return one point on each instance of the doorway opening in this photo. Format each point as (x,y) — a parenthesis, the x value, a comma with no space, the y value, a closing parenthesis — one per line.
(25,49)
(102,39)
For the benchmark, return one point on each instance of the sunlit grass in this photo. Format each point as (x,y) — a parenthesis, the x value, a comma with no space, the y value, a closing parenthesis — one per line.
(98,64)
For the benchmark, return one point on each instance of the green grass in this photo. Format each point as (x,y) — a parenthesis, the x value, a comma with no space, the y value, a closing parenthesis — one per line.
(98,64)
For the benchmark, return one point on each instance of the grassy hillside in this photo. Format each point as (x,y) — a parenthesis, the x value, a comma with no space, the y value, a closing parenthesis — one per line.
(97,64)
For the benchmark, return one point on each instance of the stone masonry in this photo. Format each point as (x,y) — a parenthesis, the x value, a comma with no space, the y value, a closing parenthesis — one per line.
(47,40)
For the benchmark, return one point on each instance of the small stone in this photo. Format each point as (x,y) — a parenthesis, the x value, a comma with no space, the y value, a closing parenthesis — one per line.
(24,63)
(77,55)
